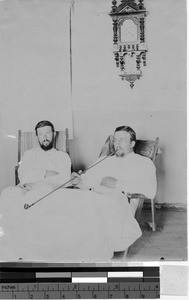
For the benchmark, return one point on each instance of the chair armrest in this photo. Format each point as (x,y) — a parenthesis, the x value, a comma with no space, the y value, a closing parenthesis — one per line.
(136,205)
(136,196)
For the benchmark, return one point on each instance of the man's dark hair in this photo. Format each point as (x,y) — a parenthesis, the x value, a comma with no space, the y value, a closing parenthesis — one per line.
(43,124)
(129,130)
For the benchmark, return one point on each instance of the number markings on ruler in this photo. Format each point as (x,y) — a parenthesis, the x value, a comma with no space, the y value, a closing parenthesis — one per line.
(103,283)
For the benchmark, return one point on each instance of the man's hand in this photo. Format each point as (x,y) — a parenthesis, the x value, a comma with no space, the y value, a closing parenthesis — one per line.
(76,179)
(25,187)
(50,173)
(109,182)
(107,186)
(30,186)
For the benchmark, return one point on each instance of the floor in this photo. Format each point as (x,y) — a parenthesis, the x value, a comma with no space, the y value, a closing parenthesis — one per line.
(168,242)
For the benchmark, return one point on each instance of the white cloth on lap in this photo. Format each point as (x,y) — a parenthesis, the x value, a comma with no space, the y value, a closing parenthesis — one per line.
(68,225)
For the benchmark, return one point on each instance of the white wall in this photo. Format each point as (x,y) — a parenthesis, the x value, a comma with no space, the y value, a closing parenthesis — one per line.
(100,100)
(157,104)
(34,72)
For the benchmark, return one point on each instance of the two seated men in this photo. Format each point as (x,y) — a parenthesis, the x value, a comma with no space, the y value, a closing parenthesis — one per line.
(124,172)
(87,224)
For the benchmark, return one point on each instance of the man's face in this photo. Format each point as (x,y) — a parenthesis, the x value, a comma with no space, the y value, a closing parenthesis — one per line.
(45,137)
(122,143)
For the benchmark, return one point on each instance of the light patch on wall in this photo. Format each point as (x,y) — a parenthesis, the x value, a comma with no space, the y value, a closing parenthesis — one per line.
(10,136)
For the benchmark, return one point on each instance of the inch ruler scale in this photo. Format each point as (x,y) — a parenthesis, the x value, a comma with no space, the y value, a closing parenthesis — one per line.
(79,283)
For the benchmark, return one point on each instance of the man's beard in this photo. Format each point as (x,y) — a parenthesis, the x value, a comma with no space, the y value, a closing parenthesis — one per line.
(47,147)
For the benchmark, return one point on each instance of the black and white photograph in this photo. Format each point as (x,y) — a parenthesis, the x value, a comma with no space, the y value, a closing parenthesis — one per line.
(93,135)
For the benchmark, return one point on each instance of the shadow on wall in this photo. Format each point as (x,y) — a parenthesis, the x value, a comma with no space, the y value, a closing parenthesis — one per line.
(77,163)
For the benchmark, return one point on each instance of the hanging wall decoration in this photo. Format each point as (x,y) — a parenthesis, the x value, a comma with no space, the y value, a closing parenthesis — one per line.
(129,44)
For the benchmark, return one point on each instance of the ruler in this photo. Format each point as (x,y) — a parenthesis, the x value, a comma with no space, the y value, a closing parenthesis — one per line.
(79,282)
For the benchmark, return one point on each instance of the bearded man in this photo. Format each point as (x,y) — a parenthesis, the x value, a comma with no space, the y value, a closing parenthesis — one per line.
(42,169)
(44,164)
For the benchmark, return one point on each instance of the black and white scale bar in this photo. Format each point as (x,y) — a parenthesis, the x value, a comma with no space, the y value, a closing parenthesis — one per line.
(68,273)
(80,282)
(78,274)
(77,269)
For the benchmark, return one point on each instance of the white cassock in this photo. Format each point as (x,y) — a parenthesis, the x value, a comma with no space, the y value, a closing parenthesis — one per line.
(36,162)
(134,174)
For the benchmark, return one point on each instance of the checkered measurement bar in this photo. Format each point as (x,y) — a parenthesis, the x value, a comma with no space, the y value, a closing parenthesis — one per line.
(80,283)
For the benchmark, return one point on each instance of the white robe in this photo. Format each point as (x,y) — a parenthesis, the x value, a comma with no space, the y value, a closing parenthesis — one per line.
(67,226)
(134,174)
(36,162)
(75,225)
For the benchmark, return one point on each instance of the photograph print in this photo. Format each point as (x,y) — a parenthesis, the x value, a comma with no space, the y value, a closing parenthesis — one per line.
(93,131)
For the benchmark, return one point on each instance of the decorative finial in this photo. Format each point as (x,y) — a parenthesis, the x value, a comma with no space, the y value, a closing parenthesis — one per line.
(141,5)
(114,6)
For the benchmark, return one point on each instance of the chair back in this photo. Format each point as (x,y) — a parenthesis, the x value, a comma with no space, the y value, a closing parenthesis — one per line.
(28,140)
(148,148)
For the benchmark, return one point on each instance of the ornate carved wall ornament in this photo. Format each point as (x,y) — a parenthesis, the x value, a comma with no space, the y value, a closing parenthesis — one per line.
(129,38)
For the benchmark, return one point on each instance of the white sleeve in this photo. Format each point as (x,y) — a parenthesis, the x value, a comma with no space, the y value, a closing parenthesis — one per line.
(148,183)
(26,171)
(141,181)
